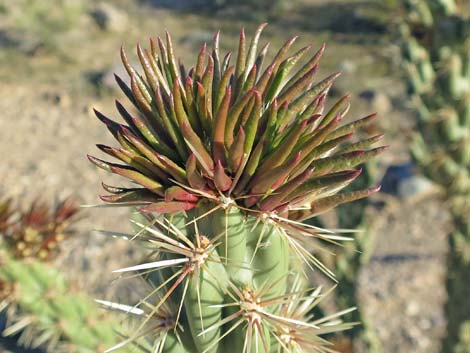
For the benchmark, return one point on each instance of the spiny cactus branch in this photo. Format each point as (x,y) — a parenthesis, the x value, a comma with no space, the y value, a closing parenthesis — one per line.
(227,161)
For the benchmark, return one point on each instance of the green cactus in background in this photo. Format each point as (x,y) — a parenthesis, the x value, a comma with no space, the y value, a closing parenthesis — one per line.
(42,307)
(40,304)
(436,49)
(228,161)
(352,256)
(347,262)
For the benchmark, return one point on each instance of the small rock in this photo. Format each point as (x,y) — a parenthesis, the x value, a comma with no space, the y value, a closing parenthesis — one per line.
(62,100)
(413,308)
(26,43)
(347,66)
(380,102)
(337,90)
(394,175)
(109,18)
(425,323)
(414,187)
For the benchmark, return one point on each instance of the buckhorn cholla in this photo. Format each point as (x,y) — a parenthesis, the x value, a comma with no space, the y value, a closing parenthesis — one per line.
(228,161)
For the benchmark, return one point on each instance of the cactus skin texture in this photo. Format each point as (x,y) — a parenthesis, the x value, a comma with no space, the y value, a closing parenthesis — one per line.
(40,304)
(42,307)
(228,161)
(436,49)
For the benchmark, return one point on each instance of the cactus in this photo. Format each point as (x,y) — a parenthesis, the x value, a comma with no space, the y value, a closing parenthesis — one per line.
(351,258)
(40,304)
(436,49)
(348,261)
(227,161)
(37,232)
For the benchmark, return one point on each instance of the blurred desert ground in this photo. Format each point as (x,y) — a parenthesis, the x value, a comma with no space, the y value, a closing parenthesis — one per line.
(57,59)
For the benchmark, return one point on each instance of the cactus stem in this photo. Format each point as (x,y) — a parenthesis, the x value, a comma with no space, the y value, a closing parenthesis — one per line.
(195,256)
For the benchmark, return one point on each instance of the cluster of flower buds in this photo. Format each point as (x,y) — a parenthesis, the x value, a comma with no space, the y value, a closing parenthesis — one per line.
(36,233)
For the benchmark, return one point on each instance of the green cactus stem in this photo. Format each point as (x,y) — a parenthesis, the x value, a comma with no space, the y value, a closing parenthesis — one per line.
(43,309)
(40,305)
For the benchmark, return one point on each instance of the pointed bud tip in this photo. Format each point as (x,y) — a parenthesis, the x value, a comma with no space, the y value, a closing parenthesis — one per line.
(94,160)
(293,39)
(356,173)
(377,188)
(382,148)
(380,136)
(105,198)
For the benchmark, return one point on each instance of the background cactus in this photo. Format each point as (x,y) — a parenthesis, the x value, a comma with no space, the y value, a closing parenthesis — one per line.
(37,232)
(40,304)
(228,161)
(436,49)
(349,260)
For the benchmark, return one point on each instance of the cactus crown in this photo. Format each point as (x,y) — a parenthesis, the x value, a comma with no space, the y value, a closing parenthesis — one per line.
(228,160)
(233,134)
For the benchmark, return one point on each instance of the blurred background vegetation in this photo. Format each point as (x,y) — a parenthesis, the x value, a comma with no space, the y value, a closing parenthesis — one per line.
(57,60)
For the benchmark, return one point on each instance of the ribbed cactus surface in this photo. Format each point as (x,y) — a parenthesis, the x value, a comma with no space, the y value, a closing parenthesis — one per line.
(436,49)
(42,307)
(228,160)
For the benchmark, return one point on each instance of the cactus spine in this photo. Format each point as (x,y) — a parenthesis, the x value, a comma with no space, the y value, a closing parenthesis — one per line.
(436,49)
(228,161)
